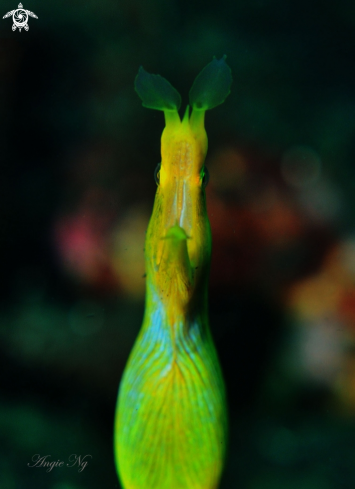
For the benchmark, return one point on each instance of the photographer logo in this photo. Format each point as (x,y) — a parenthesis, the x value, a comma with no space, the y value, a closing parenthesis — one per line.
(20,17)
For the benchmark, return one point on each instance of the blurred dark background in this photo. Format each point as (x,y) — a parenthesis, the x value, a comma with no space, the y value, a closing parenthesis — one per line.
(76,192)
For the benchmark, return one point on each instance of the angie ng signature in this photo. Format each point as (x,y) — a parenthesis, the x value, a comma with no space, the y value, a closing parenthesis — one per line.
(74,460)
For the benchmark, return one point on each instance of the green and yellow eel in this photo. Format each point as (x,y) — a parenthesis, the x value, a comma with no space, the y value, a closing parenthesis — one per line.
(171,417)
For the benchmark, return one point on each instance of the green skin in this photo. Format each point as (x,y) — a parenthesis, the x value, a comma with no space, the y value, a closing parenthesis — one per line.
(171,419)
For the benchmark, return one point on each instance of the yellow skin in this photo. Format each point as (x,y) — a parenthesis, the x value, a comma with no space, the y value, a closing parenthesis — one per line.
(171,420)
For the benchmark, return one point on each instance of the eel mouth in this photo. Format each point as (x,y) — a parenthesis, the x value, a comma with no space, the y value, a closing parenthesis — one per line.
(180,186)
(178,218)
(180,200)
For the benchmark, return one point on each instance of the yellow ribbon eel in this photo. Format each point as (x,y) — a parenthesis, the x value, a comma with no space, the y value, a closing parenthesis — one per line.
(171,417)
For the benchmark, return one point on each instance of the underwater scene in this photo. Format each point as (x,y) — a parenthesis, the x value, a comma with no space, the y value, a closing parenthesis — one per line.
(177,205)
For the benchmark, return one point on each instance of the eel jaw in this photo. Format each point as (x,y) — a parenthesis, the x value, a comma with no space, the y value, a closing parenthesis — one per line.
(175,275)
(177,233)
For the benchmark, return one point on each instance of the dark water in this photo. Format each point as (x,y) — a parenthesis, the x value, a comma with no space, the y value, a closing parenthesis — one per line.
(76,191)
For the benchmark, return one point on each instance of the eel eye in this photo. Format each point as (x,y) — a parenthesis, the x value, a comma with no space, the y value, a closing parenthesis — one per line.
(205,177)
(157,174)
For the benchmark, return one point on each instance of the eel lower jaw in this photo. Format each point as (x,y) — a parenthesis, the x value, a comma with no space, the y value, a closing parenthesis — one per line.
(175,272)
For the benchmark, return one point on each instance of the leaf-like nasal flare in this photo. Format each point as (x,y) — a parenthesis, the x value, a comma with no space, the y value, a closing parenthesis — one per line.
(212,85)
(156,92)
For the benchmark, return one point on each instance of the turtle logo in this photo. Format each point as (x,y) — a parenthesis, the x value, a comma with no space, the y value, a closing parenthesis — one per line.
(20,17)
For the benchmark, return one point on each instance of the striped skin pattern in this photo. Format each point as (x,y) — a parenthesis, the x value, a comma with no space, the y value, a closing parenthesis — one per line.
(171,420)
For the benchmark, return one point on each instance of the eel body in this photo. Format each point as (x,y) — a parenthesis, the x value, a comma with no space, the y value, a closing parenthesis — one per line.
(171,418)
